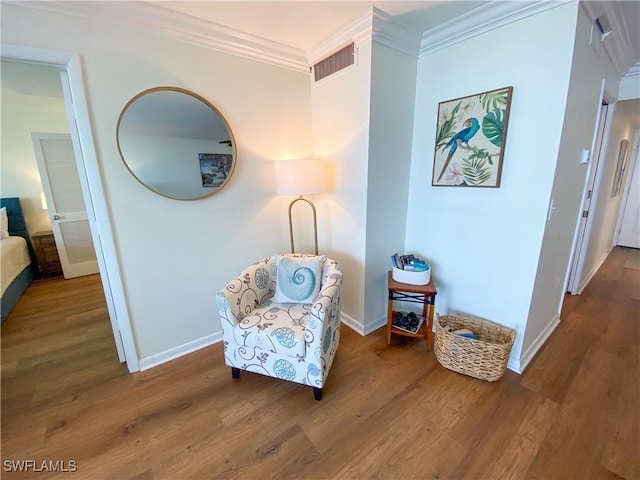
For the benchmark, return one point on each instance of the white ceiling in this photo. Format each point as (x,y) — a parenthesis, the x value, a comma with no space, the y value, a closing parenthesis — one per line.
(24,84)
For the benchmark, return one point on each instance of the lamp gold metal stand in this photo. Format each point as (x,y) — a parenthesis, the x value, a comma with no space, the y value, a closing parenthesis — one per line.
(315,223)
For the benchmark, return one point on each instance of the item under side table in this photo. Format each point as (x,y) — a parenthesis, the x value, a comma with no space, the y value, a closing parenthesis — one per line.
(404,292)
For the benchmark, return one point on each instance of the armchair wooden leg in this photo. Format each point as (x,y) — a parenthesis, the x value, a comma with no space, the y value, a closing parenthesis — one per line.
(235,372)
(317,393)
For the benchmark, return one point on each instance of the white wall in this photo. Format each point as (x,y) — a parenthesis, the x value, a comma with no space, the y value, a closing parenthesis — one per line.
(393,86)
(583,103)
(22,114)
(340,119)
(484,243)
(176,255)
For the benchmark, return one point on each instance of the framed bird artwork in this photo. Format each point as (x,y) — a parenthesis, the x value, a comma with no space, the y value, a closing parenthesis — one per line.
(470,137)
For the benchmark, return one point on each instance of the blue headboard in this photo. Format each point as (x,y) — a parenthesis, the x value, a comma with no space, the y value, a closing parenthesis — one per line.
(17,224)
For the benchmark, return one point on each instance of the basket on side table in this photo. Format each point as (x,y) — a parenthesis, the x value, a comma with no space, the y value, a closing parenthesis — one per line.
(485,357)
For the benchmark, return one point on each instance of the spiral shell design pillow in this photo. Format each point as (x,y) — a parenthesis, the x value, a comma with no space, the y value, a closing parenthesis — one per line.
(298,279)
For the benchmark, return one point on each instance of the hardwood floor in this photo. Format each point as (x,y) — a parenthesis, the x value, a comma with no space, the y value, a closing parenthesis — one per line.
(387,412)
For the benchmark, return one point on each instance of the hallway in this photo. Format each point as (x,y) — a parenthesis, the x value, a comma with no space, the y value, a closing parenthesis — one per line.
(590,366)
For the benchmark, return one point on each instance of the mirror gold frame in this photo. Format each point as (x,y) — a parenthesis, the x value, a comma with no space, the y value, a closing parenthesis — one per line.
(176,143)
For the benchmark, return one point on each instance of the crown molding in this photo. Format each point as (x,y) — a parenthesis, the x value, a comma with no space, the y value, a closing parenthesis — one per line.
(393,34)
(375,25)
(357,31)
(481,20)
(180,26)
(633,71)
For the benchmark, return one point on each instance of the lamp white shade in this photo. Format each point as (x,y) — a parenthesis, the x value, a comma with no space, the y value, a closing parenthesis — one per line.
(300,177)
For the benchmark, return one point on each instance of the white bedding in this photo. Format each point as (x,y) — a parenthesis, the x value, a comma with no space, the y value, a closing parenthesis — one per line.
(14,256)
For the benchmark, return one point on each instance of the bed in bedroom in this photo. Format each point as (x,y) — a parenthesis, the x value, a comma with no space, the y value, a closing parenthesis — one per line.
(17,264)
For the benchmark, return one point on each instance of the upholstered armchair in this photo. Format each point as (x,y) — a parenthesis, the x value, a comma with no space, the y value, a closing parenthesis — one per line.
(281,318)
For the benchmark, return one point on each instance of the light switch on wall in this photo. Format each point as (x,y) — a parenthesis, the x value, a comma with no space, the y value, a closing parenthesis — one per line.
(584,156)
(552,207)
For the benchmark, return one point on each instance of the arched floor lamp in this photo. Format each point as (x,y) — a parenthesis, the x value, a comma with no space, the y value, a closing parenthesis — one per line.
(300,177)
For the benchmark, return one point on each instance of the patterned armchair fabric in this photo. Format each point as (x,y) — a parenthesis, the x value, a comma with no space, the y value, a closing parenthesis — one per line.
(290,341)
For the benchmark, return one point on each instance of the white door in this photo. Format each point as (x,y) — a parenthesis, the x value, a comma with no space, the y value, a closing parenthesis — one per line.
(629,235)
(577,263)
(65,202)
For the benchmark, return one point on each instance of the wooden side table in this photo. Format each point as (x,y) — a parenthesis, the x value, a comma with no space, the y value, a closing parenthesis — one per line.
(47,253)
(404,292)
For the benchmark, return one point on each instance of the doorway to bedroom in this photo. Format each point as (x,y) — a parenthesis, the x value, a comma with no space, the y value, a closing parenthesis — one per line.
(38,98)
(39,167)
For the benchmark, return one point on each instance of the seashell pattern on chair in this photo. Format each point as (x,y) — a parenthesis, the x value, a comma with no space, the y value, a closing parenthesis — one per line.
(290,341)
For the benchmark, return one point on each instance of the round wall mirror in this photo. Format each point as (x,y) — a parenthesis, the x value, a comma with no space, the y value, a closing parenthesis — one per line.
(176,143)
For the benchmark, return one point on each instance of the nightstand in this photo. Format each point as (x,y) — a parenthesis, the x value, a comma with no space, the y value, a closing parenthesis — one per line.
(424,295)
(47,253)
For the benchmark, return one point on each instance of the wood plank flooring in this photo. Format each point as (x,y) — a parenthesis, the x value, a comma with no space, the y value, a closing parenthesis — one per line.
(387,412)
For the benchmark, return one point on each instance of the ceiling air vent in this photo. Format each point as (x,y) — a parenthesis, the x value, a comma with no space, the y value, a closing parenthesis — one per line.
(600,30)
(334,63)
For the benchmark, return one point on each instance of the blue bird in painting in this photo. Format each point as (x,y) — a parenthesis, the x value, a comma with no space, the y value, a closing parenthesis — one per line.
(463,136)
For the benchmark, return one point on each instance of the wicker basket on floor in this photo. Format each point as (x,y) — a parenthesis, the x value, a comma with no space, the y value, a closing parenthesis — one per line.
(484,358)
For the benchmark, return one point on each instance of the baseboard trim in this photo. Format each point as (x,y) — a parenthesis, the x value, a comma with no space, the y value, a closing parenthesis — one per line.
(190,347)
(358,327)
(352,323)
(375,325)
(176,352)
(520,365)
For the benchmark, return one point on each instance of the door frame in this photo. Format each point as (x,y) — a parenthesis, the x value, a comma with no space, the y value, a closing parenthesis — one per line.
(93,193)
(574,283)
